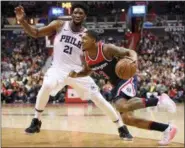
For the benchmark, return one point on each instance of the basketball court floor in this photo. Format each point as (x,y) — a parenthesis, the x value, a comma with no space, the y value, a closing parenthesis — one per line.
(81,125)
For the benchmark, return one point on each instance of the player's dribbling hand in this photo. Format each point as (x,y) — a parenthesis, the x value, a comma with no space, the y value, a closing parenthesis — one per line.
(127,57)
(73,74)
(19,11)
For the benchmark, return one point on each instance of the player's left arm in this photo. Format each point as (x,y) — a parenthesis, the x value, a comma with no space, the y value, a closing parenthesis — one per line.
(120,52)
(84,72)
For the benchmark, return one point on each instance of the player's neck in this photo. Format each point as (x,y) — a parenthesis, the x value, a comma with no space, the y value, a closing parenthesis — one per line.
(93,51)
(76,27)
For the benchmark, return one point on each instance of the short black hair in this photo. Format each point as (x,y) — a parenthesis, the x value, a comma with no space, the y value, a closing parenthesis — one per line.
(93,34)
(80,5)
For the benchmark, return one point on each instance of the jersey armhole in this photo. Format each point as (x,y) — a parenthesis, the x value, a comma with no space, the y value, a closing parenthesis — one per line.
(103,53)
(61,27)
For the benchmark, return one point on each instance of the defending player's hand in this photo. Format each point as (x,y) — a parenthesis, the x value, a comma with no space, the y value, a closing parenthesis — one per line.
(19,11)
(73,74)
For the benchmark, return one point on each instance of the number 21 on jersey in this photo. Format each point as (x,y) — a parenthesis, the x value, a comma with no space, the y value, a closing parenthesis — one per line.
(68,49)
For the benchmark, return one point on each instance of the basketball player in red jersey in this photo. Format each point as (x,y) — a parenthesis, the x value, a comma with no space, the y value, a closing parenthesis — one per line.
(66,57)
(102,58)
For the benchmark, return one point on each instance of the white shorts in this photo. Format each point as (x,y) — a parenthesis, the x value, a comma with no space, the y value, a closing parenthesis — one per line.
(57,79)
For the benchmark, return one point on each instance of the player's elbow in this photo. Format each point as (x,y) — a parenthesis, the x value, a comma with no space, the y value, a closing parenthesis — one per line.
(133,54)
(35,33)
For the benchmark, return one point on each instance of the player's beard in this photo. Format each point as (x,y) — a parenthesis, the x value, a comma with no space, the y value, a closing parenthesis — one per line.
(78,24)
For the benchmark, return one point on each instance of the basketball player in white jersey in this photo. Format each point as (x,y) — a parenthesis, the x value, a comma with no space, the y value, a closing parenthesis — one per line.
(66,57)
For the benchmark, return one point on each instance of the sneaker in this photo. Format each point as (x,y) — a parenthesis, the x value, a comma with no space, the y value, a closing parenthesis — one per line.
(166,102)
(34,127)
(169,134)
(124,133)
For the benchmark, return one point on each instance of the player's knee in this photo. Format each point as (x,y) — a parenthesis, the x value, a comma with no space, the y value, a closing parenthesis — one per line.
(127,119)
(96,99)
(48,86)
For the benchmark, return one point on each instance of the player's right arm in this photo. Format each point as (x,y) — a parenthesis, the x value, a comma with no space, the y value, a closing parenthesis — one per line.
(33,31)
(114,51)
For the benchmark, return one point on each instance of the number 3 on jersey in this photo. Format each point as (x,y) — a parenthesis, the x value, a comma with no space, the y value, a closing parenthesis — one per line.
(68,49)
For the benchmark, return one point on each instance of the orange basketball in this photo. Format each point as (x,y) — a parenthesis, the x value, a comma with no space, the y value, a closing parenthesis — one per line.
(125,68)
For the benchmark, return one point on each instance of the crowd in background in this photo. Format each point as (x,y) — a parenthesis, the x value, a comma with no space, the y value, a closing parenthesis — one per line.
(160,68)
(22,59)
(111,10)
(161,65)
(100,7)
(160,60)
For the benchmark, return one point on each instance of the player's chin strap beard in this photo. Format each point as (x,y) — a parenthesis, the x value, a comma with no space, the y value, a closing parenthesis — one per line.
(77,24)
(74,25)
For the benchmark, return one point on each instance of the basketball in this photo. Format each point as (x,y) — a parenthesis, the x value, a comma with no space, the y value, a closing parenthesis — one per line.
(125,68)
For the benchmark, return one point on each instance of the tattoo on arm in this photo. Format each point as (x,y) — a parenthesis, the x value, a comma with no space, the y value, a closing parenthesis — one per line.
(121,52)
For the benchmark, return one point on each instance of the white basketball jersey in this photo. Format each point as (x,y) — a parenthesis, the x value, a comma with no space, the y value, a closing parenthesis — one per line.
(68,49)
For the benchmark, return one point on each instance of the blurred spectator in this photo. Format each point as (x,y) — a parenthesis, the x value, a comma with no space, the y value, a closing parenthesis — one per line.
(152,90)
(21,66)
(161,62)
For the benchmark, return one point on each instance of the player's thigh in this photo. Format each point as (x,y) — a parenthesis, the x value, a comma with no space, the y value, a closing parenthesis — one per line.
(120,103)
(85,86)
(50,79)
(54,80)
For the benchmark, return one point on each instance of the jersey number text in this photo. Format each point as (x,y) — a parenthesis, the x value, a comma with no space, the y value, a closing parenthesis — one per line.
(68,49)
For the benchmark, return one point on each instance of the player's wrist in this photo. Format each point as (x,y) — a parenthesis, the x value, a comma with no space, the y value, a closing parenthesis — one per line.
(75,75)
(134,59)
(22,19)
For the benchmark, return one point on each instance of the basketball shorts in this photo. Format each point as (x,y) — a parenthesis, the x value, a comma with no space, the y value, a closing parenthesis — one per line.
(57,78)
(125,89)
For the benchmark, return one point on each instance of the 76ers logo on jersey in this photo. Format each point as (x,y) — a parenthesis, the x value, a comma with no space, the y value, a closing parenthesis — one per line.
(70,40)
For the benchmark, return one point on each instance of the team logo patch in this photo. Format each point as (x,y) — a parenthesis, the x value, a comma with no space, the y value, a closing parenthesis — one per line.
(93,87)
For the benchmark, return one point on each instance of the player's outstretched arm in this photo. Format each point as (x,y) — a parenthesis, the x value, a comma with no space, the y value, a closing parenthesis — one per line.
(33,31)
(120,52)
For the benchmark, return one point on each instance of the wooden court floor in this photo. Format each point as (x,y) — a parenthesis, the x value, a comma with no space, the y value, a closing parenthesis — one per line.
(81,125)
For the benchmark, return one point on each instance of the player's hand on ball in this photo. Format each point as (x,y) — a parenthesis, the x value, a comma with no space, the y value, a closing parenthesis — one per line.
(126,68)
(19,11)
(127,57)
(73,74)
